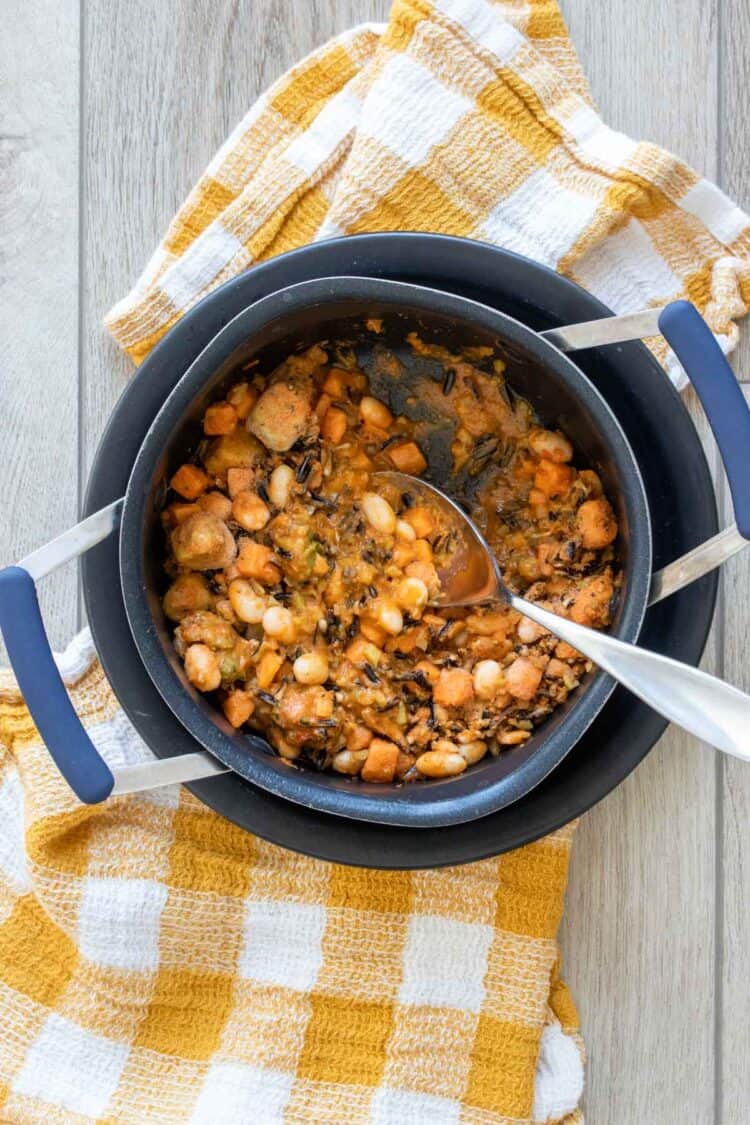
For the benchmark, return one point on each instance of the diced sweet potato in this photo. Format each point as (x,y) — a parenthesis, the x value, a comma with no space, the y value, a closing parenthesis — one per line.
(190,481)
(453,687)
(407,457)
(422,520)
(238,707)
(177,513)
(334,425)
(267,667)
(321,407)
(381,762)
(358,737)
(221,418)
(255,560)
(522,678)
(372,632)
(334,384)
(362,651)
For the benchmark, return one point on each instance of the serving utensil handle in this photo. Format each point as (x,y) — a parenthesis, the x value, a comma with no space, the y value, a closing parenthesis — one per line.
(710,709)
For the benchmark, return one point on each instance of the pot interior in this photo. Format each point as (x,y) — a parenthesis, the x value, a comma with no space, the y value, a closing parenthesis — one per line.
(562,398)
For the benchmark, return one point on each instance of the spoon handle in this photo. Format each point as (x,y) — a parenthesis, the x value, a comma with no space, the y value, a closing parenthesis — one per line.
(712,710)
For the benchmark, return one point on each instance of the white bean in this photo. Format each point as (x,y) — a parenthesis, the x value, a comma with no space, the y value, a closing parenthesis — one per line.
(378,513)
(488,679)
(405,531)
(473,752)
(375,413)
(248,605)
(279,623)
(311,668)
(388,616)
(349,761)
(202,667)
(280,485)
(441,763)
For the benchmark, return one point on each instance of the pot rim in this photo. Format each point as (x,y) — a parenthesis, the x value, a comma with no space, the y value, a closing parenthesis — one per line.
(431,804)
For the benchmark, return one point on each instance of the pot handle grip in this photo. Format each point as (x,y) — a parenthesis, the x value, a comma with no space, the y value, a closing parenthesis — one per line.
(720,395)
(39,679)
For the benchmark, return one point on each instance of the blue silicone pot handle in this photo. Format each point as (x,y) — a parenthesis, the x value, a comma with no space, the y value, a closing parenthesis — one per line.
(708,370)
(75,755)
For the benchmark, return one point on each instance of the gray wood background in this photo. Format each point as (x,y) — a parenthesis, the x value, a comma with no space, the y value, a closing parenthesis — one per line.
(110,112)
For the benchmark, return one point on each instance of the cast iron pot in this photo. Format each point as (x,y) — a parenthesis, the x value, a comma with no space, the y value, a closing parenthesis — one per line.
(331,308)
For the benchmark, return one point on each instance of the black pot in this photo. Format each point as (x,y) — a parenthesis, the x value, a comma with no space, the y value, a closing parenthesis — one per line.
(334,308)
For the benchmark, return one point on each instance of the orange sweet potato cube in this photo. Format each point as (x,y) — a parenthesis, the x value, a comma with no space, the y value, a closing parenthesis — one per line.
(221,418)
(421,520)
(238,707)
(267,667)
(177,513)
(335,383)
(190,481)
(381,762)
(334,425)
(255,560)
(407,457)
(453,688)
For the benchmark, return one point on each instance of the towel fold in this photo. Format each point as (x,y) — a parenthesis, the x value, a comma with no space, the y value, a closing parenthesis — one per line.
(157,964)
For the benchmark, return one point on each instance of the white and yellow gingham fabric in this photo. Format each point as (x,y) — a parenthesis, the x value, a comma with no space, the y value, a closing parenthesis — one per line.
(157,964)
(465,117)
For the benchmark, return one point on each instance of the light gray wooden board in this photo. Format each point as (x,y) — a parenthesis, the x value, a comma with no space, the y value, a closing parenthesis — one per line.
(734,874)
(638,936)
(39,288)
(734,838)
(162,85)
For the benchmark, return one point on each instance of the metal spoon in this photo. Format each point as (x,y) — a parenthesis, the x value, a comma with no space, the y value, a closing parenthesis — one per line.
(712,710)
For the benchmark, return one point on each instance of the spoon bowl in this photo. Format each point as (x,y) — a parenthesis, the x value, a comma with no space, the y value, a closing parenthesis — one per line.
(471,574)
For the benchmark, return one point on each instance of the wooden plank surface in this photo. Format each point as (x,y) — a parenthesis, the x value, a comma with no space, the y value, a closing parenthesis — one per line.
(638,935)
(162,85)
(734,886)
(39,57)
(733,890)
(165,84)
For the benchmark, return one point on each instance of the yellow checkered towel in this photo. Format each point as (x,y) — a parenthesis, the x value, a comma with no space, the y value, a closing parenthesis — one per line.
(157,964)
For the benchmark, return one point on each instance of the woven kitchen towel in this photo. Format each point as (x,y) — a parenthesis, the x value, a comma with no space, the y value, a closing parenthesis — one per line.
(156,963)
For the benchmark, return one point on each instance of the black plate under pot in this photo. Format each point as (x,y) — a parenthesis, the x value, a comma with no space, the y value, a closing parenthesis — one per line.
(680,497)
